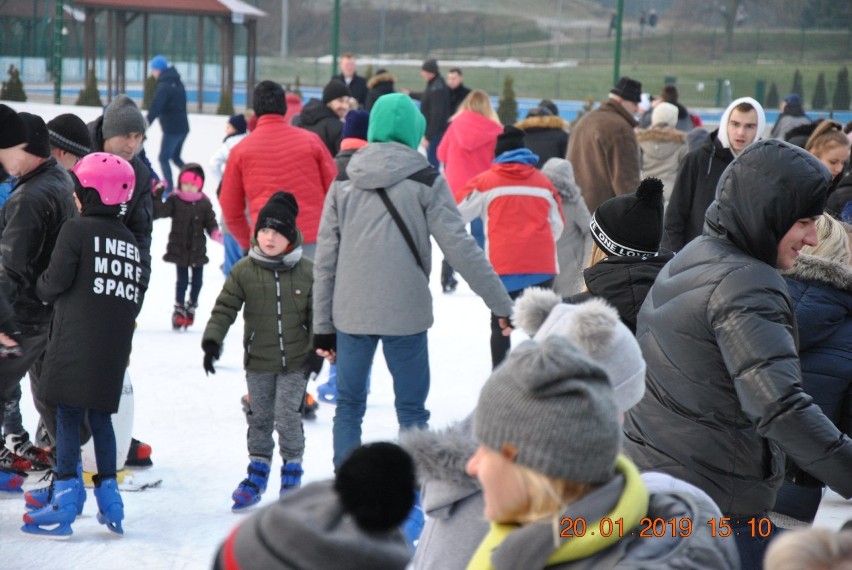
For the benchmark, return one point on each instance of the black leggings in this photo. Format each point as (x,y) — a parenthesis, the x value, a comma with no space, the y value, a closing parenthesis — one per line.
(500,344)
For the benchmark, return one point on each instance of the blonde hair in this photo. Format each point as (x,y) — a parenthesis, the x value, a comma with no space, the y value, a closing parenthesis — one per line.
(826,136)
(833,242)
(479,102)
(810,549)
(595,256)
(547,496)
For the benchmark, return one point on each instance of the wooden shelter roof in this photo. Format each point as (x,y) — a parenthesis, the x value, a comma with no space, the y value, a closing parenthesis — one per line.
(183,7)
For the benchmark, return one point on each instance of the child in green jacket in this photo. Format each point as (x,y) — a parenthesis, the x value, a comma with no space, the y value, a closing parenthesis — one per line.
(273,286)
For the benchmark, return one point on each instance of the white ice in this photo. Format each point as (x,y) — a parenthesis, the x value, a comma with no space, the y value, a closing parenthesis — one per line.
(196,426)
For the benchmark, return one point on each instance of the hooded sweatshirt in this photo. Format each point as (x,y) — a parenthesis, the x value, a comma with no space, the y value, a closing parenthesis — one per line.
(361,247)
(467,148)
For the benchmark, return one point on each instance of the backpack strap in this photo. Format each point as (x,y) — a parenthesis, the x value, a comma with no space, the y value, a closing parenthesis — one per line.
(402,227)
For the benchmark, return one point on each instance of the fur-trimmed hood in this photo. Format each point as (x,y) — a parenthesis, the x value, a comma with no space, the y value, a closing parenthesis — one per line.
(387,76)
(812,268)
(661,135)
(441,454)
(542,122)
(441,457)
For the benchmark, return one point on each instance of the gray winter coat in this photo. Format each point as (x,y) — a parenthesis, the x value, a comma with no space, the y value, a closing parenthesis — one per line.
(382,290)
(575,244)
(724,401)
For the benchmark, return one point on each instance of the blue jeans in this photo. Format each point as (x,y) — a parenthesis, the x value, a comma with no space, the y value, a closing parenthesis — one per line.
(170,150)
(68,422)
(233,253)
(183,282)
(408,361)
(752,547)
(432,150)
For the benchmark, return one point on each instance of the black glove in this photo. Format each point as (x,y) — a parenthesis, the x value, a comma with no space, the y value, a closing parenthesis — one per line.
(325,341)
(10,329)
(313,364)
(211,354)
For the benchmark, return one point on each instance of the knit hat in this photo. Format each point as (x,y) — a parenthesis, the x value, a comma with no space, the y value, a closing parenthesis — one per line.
(238,121)
(551,408)
(350,523)
(38,142)
(12,129)
(664,115)
(123,117)
(628,89)
(793,99)
(595,327)
(395,118)
(279,213)
(550,106)
(511,138)
(334,89)
(430,65)
(71,134)
(356,125)
(159,63)
(539,112)
(631,225)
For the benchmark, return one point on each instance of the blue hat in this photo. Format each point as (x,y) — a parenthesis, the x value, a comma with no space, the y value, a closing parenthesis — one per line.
(238,122)
(159,63)
(355,126)
(793,99)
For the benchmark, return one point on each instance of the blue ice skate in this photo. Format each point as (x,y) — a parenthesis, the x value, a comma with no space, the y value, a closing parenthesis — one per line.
(249,491)
(291,478)
(110,506)
(58,515)
(328,392)
(10,482)
(38,498)
(412,526)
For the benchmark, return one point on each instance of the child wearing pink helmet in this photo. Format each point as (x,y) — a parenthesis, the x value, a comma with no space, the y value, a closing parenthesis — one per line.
(93,283)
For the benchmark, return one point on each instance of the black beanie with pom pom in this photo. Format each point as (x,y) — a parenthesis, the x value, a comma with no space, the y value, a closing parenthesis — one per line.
(349,523)
(631,225)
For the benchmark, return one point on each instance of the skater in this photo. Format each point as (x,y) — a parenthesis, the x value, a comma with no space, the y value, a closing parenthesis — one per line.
(192,214)
(274,283)
(93,283)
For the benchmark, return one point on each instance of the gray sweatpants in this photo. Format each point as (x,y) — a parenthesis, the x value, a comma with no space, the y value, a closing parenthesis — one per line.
(274,402)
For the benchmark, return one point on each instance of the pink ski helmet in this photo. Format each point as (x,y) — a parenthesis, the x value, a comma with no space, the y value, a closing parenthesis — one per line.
(109,175)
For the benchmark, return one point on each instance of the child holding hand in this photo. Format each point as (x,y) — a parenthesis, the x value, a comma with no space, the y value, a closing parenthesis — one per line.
(192,214)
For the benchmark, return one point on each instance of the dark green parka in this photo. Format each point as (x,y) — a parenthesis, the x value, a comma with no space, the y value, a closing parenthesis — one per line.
(268,296)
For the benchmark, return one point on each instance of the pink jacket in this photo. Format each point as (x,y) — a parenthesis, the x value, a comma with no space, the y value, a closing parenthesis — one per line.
(467,149)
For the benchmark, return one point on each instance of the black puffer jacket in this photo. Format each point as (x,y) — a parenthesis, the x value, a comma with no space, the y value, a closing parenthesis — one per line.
(435,106)
(694,190)
(724,398)
(379,85)
(624,282)
(139,217)
(40,204)
(318,118)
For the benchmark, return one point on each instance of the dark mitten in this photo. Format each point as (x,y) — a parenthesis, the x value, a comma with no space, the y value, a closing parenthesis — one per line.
(211,354)
(313,365)
(325,341)
(11,329)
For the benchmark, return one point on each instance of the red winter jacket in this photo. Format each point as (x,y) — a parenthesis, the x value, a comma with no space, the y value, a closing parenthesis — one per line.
(273,157)
(522,216)
(467,149)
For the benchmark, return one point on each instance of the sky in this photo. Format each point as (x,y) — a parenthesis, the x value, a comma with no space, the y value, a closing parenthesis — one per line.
(195,422)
